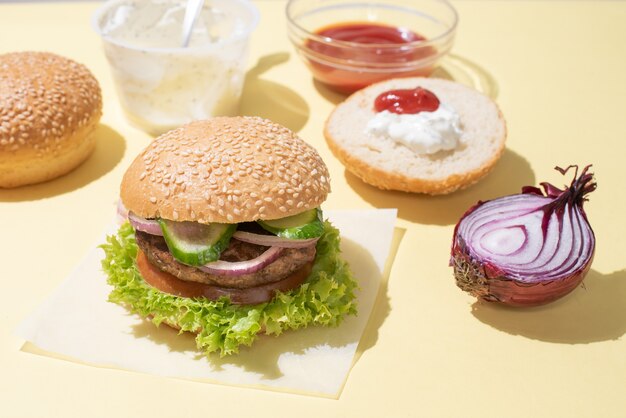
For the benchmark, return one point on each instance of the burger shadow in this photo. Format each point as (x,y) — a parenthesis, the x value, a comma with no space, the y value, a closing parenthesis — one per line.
(382,305)
(180,342)
(453,67)
(508,176)
(264,356)
(271,100)
(109,151)
(593,312)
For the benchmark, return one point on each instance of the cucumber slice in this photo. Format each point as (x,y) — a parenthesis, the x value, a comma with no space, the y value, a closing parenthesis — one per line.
(196,244)
(304,225)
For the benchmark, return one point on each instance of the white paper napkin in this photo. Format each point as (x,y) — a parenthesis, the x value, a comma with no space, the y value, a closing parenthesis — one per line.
(76,321)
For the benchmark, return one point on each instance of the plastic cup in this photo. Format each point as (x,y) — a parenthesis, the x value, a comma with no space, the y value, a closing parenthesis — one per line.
(162,85)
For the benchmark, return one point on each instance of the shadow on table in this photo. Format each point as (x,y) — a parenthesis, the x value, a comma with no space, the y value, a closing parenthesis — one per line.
(462,70)
(272,100)
(382,306)
(109,151)
(593,312)
(509,175)
(263,356)
(329,94)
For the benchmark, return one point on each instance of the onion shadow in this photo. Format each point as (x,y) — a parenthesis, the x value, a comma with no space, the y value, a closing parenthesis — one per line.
(593,312)
(263,356)
(508,176)
(109,151)
(271,100)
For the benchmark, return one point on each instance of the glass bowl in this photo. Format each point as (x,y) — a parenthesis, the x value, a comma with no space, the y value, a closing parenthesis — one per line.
(346,65)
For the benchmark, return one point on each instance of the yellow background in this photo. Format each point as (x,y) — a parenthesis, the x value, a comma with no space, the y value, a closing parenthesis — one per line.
(556,68)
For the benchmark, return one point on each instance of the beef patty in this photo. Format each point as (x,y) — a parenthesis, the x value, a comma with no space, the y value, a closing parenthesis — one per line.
(290,260)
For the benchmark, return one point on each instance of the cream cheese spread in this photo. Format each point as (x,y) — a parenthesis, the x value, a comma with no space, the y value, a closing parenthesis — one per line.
(423,132)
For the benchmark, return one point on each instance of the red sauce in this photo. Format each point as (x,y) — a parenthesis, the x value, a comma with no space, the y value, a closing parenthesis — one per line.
(370,33)
(369,56)
(409,101)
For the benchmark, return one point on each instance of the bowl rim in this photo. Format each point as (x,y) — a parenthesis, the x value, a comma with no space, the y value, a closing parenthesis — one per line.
(311,36)
(107,5)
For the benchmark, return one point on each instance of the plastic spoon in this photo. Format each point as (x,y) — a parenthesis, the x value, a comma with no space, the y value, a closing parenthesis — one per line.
(192,10)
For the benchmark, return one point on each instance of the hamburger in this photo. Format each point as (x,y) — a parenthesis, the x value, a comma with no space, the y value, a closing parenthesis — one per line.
(225,236)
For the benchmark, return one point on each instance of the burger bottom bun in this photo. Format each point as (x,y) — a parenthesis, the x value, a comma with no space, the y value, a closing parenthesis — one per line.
(31,166)
(388,165)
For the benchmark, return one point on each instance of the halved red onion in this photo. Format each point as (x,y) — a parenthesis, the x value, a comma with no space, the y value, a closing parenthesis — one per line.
(526,249)
(149,226)
(235,268)
(273,240)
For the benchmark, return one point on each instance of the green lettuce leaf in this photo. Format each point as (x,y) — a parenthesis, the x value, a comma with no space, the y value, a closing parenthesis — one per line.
(325,298)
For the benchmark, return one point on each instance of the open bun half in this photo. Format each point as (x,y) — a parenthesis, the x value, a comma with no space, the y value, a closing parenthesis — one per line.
(388,165)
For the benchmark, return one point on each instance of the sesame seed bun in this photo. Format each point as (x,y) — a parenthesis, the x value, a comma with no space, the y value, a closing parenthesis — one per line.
(226,170)
(388,165)
(49,108)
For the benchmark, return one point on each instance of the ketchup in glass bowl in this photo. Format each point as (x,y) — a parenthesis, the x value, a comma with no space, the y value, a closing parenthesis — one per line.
(350,44)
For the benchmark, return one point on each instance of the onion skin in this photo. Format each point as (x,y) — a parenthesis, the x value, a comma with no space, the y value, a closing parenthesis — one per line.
(490,282)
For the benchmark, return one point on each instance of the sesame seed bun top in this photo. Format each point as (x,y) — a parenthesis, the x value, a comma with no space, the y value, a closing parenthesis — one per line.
(49,105)
(226,170)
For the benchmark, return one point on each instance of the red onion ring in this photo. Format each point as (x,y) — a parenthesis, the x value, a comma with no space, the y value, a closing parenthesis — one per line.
(273,240)
(228,268)
(149,226)
(167,283)
(526,249)
(152,227)
(122,212)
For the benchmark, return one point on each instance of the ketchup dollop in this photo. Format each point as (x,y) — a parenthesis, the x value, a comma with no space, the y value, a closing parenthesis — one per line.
(374,44)
(407,101)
